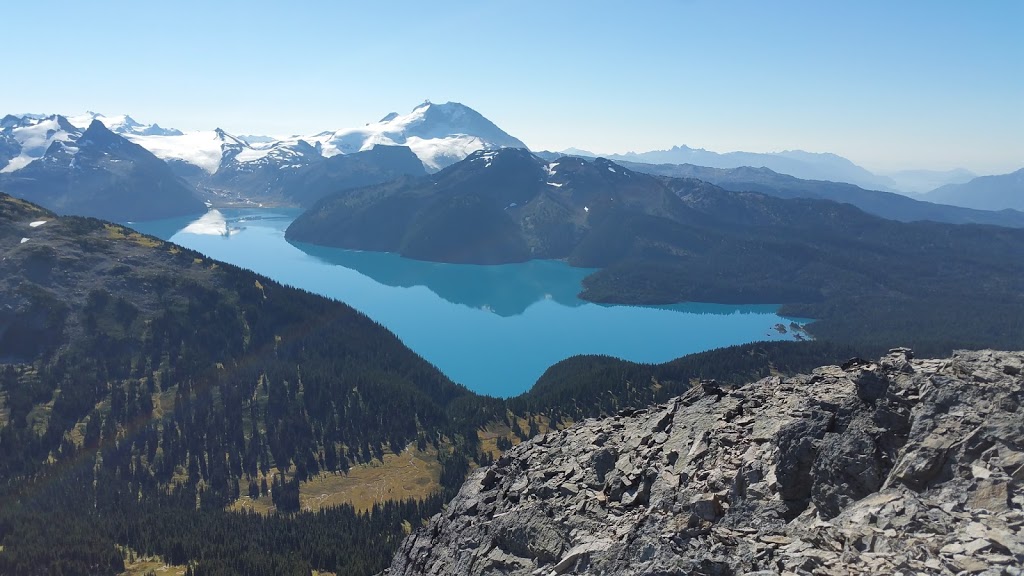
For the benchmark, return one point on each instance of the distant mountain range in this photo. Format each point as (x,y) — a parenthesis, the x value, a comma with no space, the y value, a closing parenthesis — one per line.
(227,169)
(439,135)
(984,193)
(42,160)
(885,204)
(223,169)
(823,167)
(122,124)
(805,165)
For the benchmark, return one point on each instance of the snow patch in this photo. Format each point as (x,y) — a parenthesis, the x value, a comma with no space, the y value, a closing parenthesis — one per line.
(550,168)
(18,163)
(23,240)
(204,149)
(555,184)
(612,169)
(39,136)
(37,223)
(487,157)
(586,209)
(436,153)
(251,154)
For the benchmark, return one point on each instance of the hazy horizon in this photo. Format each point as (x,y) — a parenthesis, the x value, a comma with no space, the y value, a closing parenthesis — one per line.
(913,85)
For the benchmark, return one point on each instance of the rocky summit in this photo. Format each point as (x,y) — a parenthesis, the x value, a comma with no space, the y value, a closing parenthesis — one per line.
(899,466)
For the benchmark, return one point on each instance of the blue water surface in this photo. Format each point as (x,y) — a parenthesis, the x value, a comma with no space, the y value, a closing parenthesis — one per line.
(494,329)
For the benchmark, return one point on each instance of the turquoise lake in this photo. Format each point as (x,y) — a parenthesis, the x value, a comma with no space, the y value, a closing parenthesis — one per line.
(495,329)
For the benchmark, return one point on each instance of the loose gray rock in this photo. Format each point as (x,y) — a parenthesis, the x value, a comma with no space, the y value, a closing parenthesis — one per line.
(901,466)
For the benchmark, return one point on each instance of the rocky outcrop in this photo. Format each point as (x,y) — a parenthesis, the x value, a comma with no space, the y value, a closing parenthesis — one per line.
(900,466)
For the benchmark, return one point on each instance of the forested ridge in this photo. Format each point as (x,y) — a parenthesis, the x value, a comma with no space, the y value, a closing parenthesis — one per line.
(144,388)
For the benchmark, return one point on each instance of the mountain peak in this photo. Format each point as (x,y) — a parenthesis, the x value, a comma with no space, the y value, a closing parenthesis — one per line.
(99,136)
(96,126)
(449,111)
(439,134)
(157,130)
(63,123)
(9,120)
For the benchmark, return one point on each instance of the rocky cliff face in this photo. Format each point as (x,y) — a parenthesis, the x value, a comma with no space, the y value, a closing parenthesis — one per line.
(898,466)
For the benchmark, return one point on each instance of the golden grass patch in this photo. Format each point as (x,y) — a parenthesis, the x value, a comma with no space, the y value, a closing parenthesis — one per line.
(142,565)
(155,566)
(262,505)
(39,416)
(411,474)
(115,232)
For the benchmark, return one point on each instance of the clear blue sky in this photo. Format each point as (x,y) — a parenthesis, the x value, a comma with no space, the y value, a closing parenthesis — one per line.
(888,84)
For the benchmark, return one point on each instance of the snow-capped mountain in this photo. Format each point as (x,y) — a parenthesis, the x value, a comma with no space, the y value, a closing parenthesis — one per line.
(295,172)
(208,150)
(122,124)
(234,168)
(439,134)
(24,139)
(91,172)
(290,153)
